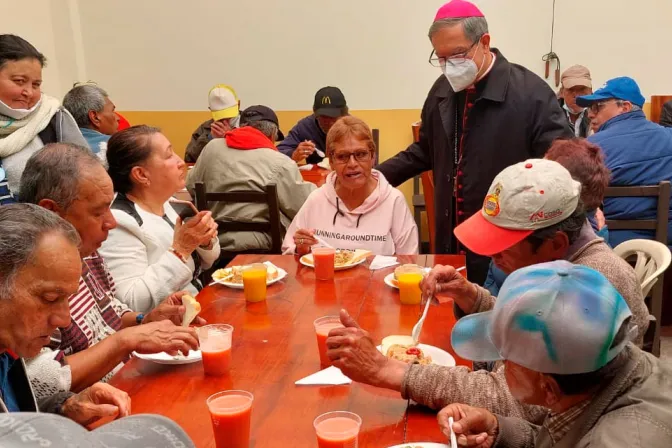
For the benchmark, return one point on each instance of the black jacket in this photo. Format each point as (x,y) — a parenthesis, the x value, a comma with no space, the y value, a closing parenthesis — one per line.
(584,126)
(511,115)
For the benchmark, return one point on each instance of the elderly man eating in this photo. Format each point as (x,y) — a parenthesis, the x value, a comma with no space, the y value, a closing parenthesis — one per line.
(563,332)
(71,181)
(532,214)
(39,270)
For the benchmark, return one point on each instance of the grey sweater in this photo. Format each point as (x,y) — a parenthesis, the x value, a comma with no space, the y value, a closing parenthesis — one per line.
(437,386)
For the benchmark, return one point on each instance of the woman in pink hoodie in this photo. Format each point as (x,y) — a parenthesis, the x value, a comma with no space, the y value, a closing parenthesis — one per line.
(356,208)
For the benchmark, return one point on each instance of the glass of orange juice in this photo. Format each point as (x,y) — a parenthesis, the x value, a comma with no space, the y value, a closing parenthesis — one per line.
(323,326)
(254,282)
(215,344)
(339,429)
(323,261)
(409,278)
(230,412)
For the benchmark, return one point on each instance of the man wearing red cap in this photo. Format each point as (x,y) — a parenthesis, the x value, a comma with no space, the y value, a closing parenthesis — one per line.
(481,116)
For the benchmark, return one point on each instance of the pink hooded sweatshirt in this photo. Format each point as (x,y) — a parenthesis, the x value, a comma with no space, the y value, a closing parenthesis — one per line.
(383,224)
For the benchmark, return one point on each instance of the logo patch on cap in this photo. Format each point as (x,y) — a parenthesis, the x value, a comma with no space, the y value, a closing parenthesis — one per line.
(326,100)
(491,202)
(543,216)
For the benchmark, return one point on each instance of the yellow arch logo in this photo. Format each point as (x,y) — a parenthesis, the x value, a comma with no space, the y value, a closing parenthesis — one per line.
(326,100)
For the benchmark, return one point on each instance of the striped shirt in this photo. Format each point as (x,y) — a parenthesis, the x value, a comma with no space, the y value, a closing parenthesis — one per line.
(94,310)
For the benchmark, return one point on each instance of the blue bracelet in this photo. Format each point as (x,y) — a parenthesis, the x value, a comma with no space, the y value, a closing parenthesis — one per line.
(139,318)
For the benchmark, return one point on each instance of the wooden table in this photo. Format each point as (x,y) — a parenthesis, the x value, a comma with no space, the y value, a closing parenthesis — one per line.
(274,345)
(315,175)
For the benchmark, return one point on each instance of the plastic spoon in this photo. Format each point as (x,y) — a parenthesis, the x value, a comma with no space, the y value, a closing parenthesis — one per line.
(453,439)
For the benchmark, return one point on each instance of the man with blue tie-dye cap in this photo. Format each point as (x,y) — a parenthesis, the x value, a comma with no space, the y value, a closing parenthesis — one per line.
(564,332)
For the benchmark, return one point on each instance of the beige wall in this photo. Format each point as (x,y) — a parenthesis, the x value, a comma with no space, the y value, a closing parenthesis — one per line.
(165,54)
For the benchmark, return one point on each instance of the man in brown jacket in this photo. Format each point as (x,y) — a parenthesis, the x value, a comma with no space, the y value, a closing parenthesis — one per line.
(563,332)
(539,189)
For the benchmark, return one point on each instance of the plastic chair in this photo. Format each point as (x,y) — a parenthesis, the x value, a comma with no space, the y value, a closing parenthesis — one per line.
(653,259)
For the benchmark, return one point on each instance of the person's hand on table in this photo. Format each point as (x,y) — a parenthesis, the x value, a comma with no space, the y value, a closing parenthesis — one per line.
(446,280)
(352,350)
(304,240)
(303,151)
(473,427)
(161,336)
(197,231)
(219,129)
(171,309)
(96,402)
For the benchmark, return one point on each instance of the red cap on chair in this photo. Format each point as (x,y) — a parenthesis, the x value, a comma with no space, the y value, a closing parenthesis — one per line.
(456,9)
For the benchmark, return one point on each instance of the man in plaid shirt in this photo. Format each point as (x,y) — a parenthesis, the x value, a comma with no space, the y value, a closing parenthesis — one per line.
(72,182)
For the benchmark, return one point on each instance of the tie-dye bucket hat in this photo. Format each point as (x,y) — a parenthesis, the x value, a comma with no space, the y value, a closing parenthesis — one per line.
(553,317)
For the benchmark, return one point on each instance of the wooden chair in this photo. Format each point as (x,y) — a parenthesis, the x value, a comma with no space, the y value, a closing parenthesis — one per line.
(428,189)
(657,102)
(418,199)
(268,197)
(376,140)
(659,225)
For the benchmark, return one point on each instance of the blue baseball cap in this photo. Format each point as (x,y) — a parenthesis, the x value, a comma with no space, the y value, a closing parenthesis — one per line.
(622,88)
(556,318)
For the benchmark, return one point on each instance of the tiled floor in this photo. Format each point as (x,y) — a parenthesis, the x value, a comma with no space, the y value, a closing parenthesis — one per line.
(666,345)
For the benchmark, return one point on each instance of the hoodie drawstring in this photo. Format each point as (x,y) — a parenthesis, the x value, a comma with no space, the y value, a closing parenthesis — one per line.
(339,212)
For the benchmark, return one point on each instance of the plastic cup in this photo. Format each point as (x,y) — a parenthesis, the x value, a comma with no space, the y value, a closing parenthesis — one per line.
(230,412)
(323,326)
(215,344)
(409,278)
(323,261)
(254,282)
(339,429)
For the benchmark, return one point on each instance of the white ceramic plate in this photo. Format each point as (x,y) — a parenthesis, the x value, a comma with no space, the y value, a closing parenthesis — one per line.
(281,275)
(307,260)
(392,283)
(165,358)
(439,357)
(421,445)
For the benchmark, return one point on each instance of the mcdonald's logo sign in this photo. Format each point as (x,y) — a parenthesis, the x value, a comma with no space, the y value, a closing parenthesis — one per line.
(326,100)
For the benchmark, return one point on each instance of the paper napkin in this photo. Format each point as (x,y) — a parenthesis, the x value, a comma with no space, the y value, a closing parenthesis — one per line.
(331,376)
(380,262)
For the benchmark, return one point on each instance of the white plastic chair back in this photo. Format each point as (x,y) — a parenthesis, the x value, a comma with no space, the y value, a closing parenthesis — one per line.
(653,258)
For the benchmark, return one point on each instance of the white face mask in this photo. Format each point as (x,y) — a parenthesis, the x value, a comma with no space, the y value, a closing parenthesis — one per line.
(461,73)
(18,114)
(235,122)
(567,108)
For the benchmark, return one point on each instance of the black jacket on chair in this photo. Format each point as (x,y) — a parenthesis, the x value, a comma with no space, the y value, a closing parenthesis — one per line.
(509,116)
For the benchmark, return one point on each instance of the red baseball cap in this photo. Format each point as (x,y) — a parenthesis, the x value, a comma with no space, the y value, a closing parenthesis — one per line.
(457,9)
(525,197)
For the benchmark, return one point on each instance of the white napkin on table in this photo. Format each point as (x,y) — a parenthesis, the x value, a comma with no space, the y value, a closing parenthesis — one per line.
(306,167)
(381,261)
(331,376)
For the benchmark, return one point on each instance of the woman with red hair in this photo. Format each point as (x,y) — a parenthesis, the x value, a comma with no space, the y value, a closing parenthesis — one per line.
(585,162)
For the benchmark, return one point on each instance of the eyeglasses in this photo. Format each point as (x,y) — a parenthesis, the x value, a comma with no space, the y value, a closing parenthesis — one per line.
(595,108)
(342,158)
(441,62)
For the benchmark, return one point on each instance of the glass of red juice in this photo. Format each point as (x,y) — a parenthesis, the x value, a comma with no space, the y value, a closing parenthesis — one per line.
(323,261)
(230,412)
(215,344)
(339,429)
(323,326)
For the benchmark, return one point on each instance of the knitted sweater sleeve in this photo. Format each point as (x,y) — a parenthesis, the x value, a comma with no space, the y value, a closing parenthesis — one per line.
(438,386)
